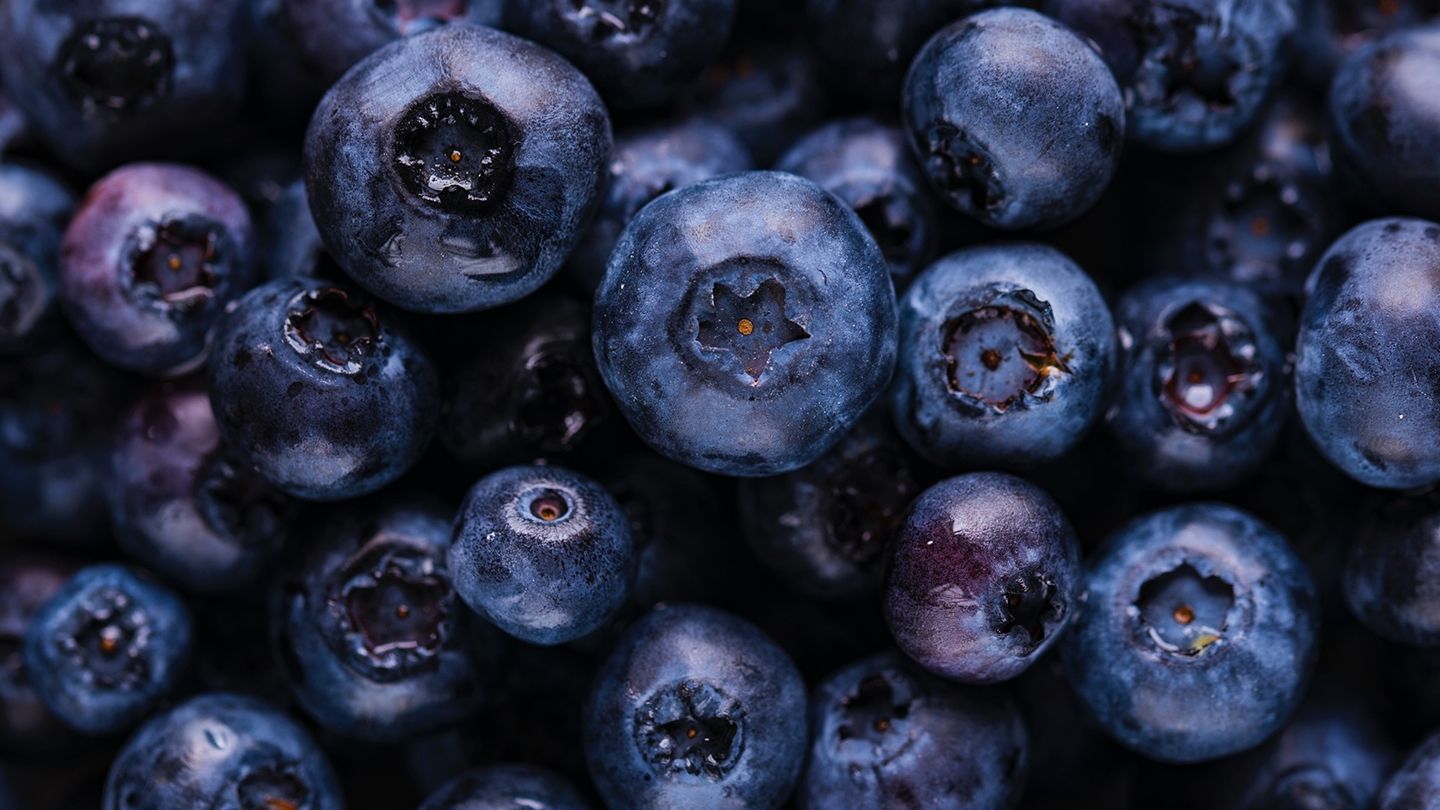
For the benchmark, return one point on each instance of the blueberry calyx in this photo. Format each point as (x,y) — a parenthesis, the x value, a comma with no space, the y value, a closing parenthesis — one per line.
(22,293)
(547,505)
(176,258)
(690,727)
(1003,355)
(236,502)
(116,65)
(106,639)
(624,22)
(556,403)
(270,788)
(870,496)
(414,16)
(453,152)
(873,709)
(1027,603)
(1209,368)
(393,607)
(1184,612)
(333,331)
(1264,220)
(750,327)
(1176,67)
(967,173)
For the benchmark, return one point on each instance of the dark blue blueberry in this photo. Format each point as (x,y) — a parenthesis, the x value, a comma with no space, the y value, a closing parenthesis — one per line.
(1006,354)
(696,708)
(544,553)
(27,727)
(1015,119)
(107,81)
(868,165)
(186,505)
(822,528)
(502,787)
(34,208)
(745,323)
(1194,72)
(147,266)
(884,733)
(322,389)
(645,164)
(1416,785)
(1365,361)
(980,577)
(107,648)
(369,629)
(1204,383)
(639,53)
(1386,576)
(221,750)
(294,246)
(454,170)
(1332,30)
(767,93)
(1196,633)
(1385,125)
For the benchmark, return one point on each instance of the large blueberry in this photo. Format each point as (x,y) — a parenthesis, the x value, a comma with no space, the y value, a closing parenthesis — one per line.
(1006,353)
(544,553)
(1366,358)
(502,787)
(322,389)
(1015,119)
(34,207)
(454,170)
(1195,634)
(745,323)
(1386,575)
(695,708)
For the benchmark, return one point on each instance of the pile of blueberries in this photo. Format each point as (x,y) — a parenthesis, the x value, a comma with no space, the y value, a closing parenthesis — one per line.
(719,404)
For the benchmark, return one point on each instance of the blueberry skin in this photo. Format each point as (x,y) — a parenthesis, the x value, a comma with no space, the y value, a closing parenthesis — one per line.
(767,93)
(293,244)
(369,630)
(1384,576)
(868,165)
(148,264)
(1364,358)
(1385,127)
(1029,99)
(645,164)
(1180,434)
(34,207)
(27,727)
(885,733)
(329,415)
(1195,73)
(496,226)
(1331,30)
(690,667)
(221,750)
(639,53)
(1044,304)
(980,577)
(161,79)
(1145,655)
(767,252)
(544,553)
(106,648)
(502,787)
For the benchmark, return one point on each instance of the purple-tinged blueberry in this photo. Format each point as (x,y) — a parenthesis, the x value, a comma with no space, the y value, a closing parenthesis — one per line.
(34,207)
(502,787)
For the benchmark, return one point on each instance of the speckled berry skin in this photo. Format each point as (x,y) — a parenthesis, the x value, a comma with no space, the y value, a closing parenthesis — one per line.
(498,221)
(1015,119)
(503,787)
(221,750)
(322,423)
(980,577)
(1365,354)
(952,427)
(1167,683)
(689,667)
(745,323)
(106,648)
(34,208)
(125,303)
(544,553)
(885,733)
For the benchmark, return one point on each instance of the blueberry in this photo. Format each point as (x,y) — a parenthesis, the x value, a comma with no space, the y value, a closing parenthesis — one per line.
(1364,356)
(1196,633)
(868,165)
(370,632)
(964,97)
(106,648)
(745,323)
(885,733)
(221,750)
(1006,353)
(108,81)
(1417,783)
(980,577)
(294,246)
(27,727)
(695,708)
(767,93)
(645,164)
(1384,578)
(1384,126)
(1204,383)
(639,53)
(1194,73)
(544,553)
(34,207)
(500,787)
(185,504)
(454,170)
(153,256)
(322,389)
(1332,30)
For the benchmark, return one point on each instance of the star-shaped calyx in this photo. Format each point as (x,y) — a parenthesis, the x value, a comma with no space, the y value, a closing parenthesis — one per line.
(750,327)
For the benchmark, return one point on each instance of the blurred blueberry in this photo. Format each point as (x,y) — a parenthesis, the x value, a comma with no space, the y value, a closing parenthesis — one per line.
(34,207)
(27,727)
(1417,783)
(294,246)
(767,93)
(501,787)
(1386,579)
(1332,30)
